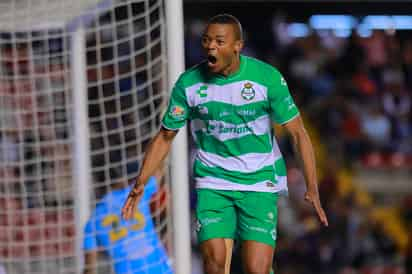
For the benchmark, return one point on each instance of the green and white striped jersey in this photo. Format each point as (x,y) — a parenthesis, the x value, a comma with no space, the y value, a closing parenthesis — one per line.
(230,119)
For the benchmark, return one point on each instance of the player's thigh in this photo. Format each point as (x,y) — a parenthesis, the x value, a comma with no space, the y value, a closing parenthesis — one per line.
(257,257)
(257,217)
(214,252)
(216,216)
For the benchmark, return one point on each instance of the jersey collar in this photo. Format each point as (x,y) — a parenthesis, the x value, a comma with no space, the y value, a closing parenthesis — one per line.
(234,75)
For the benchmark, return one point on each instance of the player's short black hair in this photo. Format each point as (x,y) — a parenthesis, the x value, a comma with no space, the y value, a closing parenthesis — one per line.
(230,20)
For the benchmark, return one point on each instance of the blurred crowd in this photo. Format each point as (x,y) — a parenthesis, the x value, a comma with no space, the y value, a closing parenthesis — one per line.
(355,94)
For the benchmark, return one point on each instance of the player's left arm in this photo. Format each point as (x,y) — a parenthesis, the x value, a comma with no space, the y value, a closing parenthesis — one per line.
(304,148)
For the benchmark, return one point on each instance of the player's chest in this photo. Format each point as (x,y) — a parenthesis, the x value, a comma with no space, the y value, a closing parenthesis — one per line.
(240,100)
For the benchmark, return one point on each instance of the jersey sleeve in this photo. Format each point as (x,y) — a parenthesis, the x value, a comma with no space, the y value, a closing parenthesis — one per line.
(178,110)
(89,241)
(281,104)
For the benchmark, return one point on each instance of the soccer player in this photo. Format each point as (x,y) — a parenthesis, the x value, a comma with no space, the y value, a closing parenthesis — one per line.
(231,101)
(133,245)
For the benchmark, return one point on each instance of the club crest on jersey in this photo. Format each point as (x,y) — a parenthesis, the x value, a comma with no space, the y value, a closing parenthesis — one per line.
(248,93)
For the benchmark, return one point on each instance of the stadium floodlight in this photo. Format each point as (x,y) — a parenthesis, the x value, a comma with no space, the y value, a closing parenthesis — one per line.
(331,21)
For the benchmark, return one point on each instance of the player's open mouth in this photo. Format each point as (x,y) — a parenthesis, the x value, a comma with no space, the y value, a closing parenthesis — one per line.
(211,60)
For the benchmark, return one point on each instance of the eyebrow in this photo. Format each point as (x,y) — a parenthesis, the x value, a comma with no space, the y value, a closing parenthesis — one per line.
(217,36)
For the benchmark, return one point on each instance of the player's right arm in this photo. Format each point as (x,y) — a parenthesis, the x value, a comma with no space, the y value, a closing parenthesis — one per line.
(156,153)
(175,117)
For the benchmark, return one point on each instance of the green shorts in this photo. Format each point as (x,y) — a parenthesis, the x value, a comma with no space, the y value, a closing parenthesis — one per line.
(244,215)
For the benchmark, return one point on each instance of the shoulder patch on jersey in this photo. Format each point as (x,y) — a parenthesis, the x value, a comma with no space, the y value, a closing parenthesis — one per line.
(177,112)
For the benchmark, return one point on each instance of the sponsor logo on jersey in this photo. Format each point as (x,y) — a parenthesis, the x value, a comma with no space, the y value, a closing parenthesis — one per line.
(202,91)
(241,112)
(247,112)
(224,113)
(212,128)
(236,130)
(248,93)
(177,112)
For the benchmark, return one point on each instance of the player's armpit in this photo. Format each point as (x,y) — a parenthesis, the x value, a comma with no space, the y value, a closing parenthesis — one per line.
(90,262)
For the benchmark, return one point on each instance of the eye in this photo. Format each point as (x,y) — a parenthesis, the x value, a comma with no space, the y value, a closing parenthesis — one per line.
(205,40)
(220,42)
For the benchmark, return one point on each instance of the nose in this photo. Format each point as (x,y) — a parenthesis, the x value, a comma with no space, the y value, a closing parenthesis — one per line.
(210,45)
(213,44)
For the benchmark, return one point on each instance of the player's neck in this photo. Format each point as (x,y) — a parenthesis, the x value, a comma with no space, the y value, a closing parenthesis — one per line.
(232,68)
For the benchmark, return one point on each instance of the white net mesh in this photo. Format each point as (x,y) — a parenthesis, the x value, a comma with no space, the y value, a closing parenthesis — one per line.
(125,56)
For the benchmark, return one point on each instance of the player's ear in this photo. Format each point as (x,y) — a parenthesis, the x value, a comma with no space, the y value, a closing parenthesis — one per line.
(238,46)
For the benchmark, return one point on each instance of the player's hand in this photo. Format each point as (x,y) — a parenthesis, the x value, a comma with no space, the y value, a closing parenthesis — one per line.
(312,196)
(132,200)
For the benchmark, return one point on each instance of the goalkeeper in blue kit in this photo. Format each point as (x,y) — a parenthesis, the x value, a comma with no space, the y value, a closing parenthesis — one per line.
(133,245)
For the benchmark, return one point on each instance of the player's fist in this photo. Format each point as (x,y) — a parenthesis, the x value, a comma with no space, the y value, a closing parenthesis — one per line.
(132,200)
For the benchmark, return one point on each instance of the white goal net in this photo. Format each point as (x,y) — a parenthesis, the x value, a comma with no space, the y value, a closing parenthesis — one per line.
(125,82)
